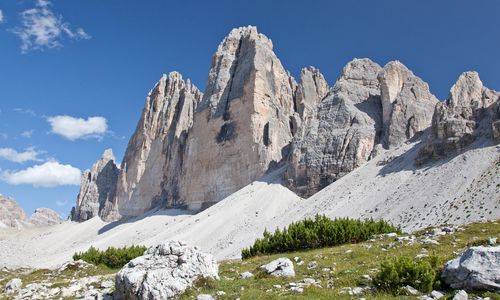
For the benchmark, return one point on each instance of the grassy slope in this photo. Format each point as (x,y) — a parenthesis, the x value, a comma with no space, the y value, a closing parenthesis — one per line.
(346,268)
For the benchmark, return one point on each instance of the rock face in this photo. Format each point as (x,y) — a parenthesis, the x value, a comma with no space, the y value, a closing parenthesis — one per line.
(13,285)
(477,269)
(243,123)
(164,272)
(281,267)
(97,189)
(45,217)
(367,106)
(471,111)
(343,133)
(407,104)
(154,159)
(11,215)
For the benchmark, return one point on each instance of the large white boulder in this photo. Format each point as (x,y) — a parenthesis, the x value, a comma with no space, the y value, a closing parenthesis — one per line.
(281,267)
(164,272)
(478,268)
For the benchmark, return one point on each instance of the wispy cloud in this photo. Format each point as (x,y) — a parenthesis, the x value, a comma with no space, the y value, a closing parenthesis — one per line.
(49,174)
(42,29)
(61,203)
(12,155)
(77,128)
(27,133)
(1,16)
(26,111)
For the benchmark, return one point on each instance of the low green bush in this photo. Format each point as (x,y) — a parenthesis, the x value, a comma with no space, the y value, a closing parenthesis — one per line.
(112,257)
(317,233)
(402,271)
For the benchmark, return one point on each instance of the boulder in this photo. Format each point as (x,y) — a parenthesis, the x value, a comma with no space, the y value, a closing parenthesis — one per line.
(281,267)
(13,285)
(164,272)
(461,295)
(478,268)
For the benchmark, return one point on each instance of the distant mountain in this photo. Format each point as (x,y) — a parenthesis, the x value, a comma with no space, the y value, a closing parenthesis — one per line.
(13,216)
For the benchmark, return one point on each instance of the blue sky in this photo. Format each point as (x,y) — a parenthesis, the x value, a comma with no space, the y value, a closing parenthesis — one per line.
(63,62)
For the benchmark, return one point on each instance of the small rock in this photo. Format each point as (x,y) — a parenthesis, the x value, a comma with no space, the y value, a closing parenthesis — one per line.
(492,241)
(436,295)
(421,255)
(281,267)
(297,289)
(277,286)
(220,293)
(309,281)
(13,285)
(107,284)
(366,277)
(296,258)
(410,291)
(348,251)
(245,275)
(430,242)
(461,295)
(204,297)
(312,265)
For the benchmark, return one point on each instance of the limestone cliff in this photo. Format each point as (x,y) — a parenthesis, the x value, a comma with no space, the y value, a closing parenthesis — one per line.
(368,107)
(149,176)
(45,217)
(97,189)
(471,111)
(243,124)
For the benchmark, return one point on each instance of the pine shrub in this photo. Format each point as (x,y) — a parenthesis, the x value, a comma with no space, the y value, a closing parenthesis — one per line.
(317,233)
(112,257)
(402,271)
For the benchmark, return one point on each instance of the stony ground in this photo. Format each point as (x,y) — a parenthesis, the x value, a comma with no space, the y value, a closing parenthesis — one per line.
(342,272)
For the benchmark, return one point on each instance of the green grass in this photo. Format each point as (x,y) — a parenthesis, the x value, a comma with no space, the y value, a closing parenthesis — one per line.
(346,268)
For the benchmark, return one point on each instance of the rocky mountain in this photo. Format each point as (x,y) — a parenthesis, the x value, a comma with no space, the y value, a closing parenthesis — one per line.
(45,217)
(470,112)
(191,150)
(13,216)
(368,108)
(97,189)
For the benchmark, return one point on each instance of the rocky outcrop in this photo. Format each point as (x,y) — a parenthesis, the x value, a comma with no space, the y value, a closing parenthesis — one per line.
(243,124)
(471,111)
(310,91)
(343,133)
(11,214)
(368,106)
(164,272)
(407,104)
(45,217)
(476,269)
(154,159)
(97,189)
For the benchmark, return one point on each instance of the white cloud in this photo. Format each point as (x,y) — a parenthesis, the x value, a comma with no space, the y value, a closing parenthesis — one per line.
(19,157)
(27,133)
(78,128)
(1,16)
(49,174)
(43,29)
